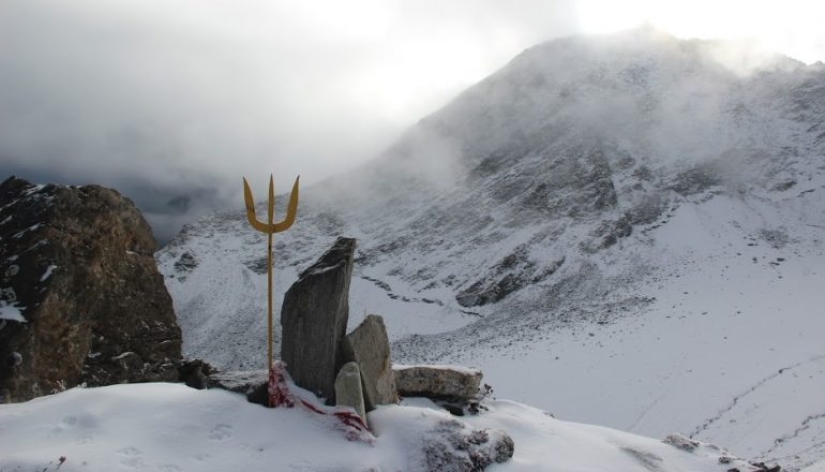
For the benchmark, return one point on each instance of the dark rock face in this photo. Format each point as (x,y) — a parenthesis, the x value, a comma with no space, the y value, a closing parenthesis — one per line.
(314,320)
(81,295)
(369,346)
(512,273)
(195,373)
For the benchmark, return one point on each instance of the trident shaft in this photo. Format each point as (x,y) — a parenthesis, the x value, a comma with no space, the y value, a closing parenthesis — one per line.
(270,228)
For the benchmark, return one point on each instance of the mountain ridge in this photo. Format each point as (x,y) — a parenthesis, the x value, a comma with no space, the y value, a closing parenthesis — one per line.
(562,203)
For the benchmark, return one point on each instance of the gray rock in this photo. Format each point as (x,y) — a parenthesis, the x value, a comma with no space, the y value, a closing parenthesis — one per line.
(314,320)
(369,346)
(252,384)
(442,382)
(195,373)
(78,265)
(348,390)
(681,442)
(453,447)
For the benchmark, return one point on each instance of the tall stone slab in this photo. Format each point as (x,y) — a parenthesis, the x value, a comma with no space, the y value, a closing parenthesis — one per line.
(369,346)
(314,320)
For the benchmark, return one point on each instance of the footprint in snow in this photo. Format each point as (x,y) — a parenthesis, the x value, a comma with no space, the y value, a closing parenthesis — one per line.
(221,432)
(131,457)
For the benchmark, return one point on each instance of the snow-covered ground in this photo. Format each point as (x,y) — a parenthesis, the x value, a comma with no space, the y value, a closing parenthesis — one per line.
(731,351)
(170,427)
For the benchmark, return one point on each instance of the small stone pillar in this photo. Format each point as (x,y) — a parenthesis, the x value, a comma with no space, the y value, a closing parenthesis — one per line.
(369,346)
(348,390)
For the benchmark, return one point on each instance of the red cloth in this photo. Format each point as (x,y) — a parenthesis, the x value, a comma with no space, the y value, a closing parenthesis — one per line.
(355,428)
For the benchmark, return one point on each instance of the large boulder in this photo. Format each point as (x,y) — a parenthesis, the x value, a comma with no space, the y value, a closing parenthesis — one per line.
(314,320)
(81,299)
(369,346)
(438,382)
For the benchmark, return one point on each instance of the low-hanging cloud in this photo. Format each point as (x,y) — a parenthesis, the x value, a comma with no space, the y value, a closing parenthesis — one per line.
(179,98)
(174,100)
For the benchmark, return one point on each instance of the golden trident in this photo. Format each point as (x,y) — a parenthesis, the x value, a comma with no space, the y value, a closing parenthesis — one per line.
(270,228)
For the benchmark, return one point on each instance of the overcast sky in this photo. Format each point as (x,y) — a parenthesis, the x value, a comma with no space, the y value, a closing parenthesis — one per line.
(180,98)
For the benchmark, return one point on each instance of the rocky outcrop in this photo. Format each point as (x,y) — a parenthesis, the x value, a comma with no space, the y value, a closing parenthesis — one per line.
(81,299)
(314,320)
(441,382)
(512,273)
(369,346)
(454,447)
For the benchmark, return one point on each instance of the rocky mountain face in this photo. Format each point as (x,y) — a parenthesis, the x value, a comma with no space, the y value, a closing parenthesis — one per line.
(81,299)
(566,193)
(519,193)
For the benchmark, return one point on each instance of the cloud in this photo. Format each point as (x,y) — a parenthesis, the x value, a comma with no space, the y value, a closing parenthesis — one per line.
(792,27)
(169,98)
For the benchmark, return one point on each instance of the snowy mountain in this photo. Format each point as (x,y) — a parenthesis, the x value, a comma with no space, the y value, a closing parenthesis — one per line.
(624,230)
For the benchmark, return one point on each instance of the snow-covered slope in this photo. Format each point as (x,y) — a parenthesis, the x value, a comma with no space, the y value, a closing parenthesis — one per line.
(166,427)
(622,230)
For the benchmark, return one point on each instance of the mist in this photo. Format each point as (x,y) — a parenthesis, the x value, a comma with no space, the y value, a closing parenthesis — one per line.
(172,101)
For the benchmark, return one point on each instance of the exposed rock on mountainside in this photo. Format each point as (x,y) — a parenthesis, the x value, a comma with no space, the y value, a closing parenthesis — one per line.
(82,300)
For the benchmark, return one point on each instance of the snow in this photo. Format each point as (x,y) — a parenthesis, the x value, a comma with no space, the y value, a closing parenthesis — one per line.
(11,312)
(170,427)
(122,355)
(33,227)
(34,189)
(48,273)
(818,467)
(730,351)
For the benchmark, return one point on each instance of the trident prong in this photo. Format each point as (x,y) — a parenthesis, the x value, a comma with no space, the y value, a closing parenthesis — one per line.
(270,228)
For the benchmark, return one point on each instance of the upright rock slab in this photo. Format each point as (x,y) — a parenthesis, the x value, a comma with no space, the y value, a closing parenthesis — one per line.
(81,299)
(369,346)
(314,320)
